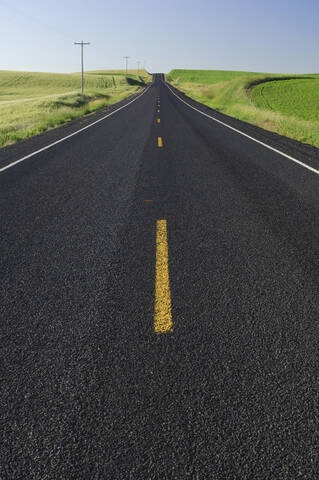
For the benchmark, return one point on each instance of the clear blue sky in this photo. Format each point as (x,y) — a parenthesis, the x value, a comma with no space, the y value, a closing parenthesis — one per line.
(252,35)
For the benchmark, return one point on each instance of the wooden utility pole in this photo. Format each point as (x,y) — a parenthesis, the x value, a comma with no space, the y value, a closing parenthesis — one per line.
(82,44)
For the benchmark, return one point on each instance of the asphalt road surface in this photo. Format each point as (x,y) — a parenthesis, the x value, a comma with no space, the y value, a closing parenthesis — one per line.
(159,307)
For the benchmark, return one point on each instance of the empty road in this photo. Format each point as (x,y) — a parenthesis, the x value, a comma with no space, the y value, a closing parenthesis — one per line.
(159,298)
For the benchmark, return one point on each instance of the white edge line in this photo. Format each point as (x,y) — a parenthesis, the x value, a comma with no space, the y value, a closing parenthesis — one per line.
(71,135)
(248,136)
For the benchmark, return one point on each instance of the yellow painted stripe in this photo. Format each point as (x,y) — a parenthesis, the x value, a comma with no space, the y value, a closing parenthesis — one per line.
(160,141)
(158,120)
(163,311)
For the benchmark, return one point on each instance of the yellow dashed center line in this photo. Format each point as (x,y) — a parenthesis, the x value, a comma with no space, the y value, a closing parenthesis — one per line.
(158,120)
(160,142)
(163,311)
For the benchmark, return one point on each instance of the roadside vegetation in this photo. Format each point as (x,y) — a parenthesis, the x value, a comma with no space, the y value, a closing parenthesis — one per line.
(286,104)
(31,103)
(137,74)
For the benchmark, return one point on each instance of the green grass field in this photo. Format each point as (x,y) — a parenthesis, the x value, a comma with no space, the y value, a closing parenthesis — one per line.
(131,73)
(209,77)
(298,98)
(31,103)
(286,104)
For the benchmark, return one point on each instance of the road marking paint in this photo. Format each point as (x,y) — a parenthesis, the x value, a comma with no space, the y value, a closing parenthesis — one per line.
(158,120)
(158,111)
(248,136)
(160,142)
(71,135)
(148,200)
(163,310)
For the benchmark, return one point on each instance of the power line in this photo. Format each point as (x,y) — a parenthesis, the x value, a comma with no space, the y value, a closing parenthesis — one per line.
(82,44)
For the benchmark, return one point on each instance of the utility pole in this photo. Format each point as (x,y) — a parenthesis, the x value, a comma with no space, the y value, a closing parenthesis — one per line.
(126,58)
(82,44)
(138,67)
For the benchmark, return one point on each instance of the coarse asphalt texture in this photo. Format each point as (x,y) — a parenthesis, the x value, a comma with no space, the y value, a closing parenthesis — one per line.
(89,390)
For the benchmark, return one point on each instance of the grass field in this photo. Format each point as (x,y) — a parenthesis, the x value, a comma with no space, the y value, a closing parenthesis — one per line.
(31,103)
(286,104)
(131,73)
(208,77)
(299,98)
